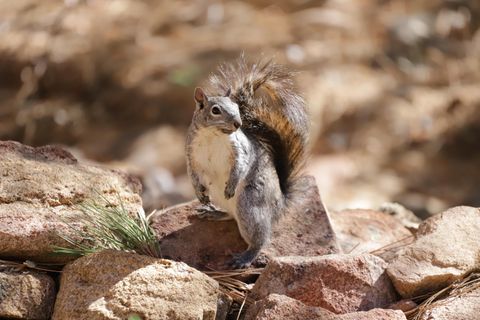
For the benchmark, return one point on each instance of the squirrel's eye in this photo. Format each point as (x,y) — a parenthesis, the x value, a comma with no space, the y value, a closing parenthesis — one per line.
(216,110)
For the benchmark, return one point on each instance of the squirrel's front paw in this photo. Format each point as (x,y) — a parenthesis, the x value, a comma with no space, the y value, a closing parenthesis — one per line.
(229,192)
(203,198)
(209,212)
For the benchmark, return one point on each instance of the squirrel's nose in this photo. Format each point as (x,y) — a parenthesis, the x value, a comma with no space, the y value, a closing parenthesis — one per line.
(237,124)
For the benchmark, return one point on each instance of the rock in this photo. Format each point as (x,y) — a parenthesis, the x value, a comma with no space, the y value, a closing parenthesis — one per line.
(338,283)
(446,248)
(361,230)
(116,285)
(185,237)
(306,232)
(374,314)
(404,305)
(463,307)
(405,216)
(277,306)
(210,244)
(26,295)
(41,187)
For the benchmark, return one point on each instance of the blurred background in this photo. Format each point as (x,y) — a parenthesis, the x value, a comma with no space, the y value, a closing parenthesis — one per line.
(393,88)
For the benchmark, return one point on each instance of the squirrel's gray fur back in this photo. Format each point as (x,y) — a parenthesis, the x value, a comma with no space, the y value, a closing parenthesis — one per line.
(272,113)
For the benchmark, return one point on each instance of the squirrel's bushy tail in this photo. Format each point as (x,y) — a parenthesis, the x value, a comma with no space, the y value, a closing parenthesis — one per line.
(271,112)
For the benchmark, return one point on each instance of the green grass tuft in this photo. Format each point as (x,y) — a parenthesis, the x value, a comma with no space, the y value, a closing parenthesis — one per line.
(106,226)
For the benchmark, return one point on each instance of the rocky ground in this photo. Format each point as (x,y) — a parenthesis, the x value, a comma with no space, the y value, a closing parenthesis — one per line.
(351,264)
(99,95)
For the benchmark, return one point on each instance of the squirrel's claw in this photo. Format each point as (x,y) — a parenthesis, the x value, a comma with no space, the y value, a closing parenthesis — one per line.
(209,212)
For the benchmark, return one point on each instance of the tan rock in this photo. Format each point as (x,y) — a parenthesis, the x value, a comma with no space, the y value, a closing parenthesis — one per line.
(277,306)
(39,188)
(402,214)
(403,305)
(338,283)
(210,244)
(116,285)
(361,230)
(463,307)
(446,249)
(26,295)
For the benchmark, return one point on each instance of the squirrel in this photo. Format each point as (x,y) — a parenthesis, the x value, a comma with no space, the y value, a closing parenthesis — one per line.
(245,149)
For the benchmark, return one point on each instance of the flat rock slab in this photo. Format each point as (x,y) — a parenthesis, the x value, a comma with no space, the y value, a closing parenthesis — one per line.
(207,244)
(26,295)
(447,248)
(40,189)
(339,283)
(276,307)
(360,230)
(118,285)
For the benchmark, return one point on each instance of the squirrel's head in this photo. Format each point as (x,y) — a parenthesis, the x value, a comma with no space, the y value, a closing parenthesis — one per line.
(217,111)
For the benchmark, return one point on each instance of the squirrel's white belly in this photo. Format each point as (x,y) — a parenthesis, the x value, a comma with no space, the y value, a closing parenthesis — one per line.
(214,158)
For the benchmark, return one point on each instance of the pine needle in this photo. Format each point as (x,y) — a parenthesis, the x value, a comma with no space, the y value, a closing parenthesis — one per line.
(28,264)
(453,291)
(234,287)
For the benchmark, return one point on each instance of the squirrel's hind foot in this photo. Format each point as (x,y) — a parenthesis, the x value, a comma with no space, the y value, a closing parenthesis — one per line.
(209,212)
(243,260)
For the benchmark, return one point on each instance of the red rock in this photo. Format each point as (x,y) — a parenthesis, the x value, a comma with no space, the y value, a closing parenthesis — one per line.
(339,283)
(361,230)
(276,307)
(198,242)
(210,244)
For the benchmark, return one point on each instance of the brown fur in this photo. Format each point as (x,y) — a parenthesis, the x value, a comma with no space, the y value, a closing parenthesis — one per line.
(271,112)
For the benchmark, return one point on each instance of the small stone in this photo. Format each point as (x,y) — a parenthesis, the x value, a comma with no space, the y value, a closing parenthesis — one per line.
(26,295)
(402,214)
(338,283)
(404,305)
(446,249)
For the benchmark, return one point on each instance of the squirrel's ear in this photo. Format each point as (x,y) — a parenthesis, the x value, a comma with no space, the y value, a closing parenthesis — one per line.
(199,95)
(229,91)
